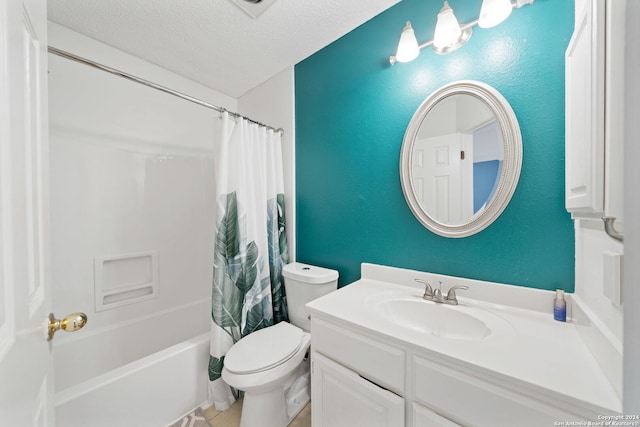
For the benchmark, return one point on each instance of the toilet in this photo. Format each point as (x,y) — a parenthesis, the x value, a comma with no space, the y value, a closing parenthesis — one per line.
(271,365)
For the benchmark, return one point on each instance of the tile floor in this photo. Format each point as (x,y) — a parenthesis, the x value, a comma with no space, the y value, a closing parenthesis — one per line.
(231,417)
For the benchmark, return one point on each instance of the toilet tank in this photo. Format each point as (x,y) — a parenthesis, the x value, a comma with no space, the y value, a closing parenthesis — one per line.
(303,283)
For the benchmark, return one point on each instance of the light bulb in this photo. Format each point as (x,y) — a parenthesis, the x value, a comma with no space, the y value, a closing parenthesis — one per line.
(408,49)
(448,30)
(494,12)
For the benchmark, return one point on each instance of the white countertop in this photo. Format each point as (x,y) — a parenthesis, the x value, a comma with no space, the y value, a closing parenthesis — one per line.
(526,348)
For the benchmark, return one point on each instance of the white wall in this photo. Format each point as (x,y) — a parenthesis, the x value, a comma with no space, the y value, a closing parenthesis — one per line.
(132,170)
(273,103)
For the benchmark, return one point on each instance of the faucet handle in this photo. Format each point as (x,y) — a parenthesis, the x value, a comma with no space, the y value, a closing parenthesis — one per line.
(428,291)
(451,295)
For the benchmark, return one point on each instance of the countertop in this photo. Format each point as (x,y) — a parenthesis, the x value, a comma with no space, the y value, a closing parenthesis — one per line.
(526,347)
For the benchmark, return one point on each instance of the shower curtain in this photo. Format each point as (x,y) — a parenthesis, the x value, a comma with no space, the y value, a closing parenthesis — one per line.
(250,243)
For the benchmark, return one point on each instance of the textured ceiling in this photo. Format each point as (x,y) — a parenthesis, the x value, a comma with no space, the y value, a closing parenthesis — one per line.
(214,42)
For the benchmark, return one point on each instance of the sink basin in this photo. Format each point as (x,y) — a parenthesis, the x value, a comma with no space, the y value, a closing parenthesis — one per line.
(436,319)
(458,322)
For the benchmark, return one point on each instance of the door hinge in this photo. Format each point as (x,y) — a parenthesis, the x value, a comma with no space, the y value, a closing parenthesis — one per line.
(461,154)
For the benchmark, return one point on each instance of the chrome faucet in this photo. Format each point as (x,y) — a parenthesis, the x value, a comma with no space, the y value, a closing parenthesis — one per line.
(435,295)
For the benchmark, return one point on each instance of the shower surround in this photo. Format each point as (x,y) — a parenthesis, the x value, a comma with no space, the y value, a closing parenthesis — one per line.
(132,219)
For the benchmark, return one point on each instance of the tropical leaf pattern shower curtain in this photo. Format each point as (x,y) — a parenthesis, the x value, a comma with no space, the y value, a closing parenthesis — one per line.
(250,246)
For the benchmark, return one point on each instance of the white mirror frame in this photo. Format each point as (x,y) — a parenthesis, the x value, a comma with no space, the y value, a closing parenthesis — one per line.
(512,163)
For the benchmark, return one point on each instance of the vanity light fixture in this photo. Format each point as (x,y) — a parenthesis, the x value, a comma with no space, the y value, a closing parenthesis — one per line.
(449,35)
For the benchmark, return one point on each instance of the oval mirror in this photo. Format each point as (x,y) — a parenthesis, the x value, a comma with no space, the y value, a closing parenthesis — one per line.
(461,158)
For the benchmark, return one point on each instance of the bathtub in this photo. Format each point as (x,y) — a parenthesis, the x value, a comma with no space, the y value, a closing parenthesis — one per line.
(151,392)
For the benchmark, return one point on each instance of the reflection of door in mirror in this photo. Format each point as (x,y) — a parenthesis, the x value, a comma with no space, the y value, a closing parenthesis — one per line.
(443,176)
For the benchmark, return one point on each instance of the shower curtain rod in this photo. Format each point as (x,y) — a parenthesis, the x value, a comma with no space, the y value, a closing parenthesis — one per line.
(144,82)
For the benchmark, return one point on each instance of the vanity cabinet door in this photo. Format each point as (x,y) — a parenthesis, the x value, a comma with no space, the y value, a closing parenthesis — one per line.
(342,398)
(584,115)
(425,417)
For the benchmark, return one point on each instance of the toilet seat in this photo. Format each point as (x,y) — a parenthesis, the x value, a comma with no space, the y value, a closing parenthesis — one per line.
(264,349)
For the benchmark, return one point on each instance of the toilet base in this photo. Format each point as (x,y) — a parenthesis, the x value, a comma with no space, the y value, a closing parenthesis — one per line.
(276,408)
(264,409)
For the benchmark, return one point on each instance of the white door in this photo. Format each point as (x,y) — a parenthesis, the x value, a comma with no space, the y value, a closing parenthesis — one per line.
(25,300)
(342,398)
(443,177)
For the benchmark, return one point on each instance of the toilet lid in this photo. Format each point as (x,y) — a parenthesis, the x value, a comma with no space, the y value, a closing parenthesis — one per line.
(264,349)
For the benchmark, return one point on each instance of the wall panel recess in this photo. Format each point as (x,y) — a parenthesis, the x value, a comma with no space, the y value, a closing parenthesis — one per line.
(125,279)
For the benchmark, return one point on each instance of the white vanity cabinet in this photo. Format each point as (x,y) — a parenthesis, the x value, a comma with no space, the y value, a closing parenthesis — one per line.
(358,379)
(594,64)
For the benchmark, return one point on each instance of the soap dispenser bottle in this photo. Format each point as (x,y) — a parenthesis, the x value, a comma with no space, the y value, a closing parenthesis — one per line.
(560,306)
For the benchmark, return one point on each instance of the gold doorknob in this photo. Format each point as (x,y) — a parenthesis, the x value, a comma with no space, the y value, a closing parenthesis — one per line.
(70,323)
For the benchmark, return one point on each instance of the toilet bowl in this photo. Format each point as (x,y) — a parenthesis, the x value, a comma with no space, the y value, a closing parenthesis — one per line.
(271,365)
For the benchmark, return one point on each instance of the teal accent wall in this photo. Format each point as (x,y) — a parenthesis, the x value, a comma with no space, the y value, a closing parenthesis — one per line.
(352,109)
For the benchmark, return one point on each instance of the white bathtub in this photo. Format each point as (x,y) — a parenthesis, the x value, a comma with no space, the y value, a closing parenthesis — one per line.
(151,392)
